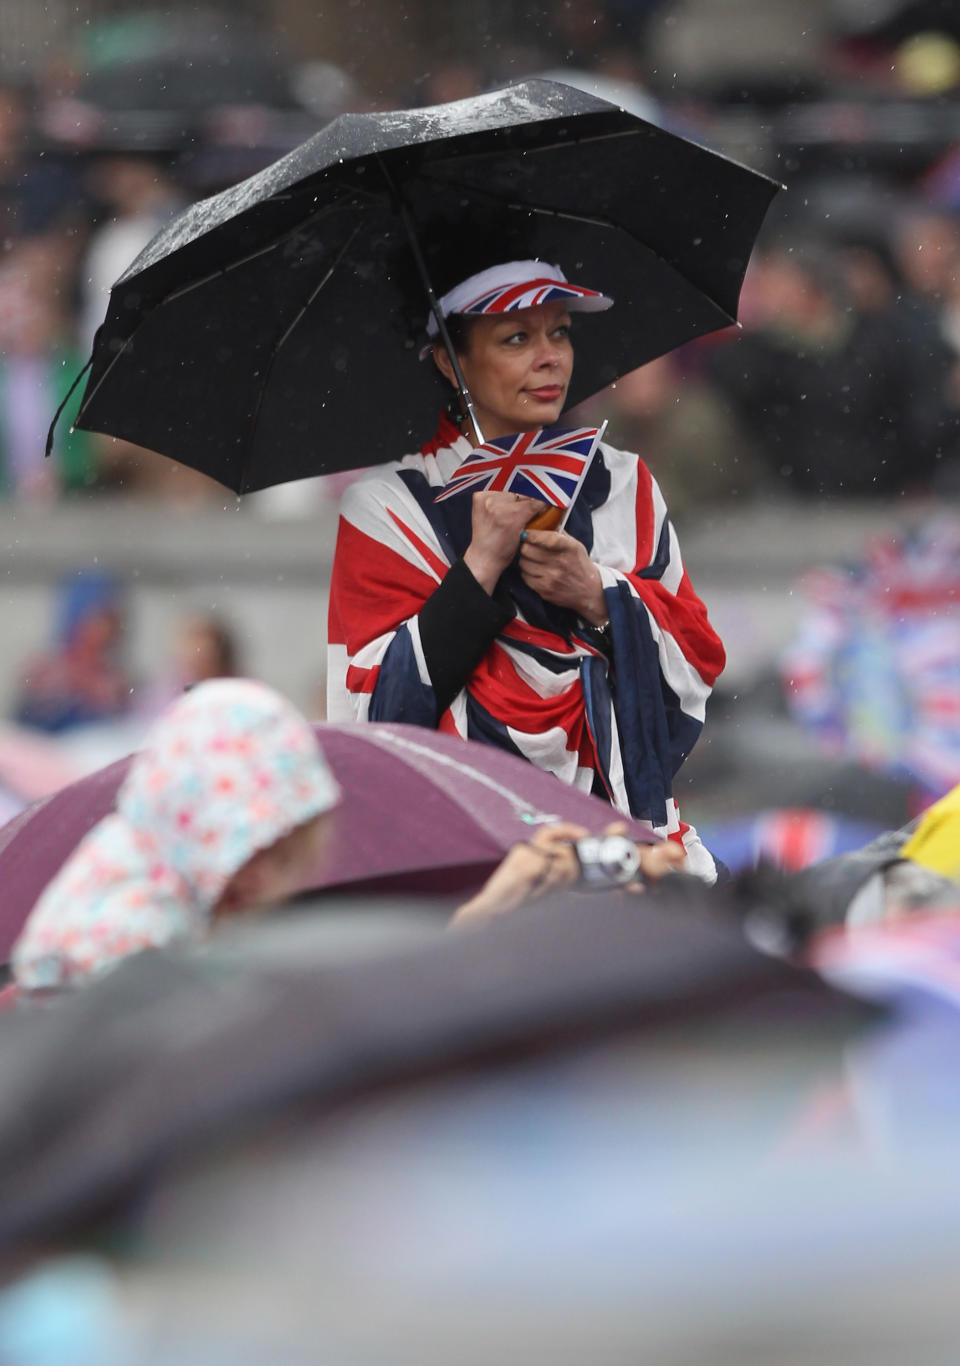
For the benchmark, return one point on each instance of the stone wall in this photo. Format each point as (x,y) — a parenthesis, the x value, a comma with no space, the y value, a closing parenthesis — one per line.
(269,578)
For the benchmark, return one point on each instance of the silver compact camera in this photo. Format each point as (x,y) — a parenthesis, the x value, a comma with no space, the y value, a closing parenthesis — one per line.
(607,861)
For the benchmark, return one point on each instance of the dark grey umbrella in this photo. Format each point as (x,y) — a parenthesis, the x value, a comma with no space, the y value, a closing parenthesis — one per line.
(272,332)
(176,1047)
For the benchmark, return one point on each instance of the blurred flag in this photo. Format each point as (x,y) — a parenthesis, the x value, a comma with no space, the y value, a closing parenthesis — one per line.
(790,838)
(874,672)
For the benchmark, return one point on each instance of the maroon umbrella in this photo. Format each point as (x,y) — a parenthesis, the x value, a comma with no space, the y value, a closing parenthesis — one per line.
(421,812)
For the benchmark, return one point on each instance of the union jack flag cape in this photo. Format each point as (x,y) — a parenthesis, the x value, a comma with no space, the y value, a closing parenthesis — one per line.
(549,463)
(543,689)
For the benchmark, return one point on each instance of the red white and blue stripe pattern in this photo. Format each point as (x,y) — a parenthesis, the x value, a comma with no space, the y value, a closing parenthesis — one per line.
(914,955)
(527,294)
(790,838)
(542,690)
(512,285)
(548,464)
(874,671)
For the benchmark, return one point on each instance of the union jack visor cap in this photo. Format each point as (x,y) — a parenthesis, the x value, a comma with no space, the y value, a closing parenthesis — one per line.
(513,285)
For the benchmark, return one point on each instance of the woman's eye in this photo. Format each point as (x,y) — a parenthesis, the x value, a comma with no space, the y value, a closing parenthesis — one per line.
(563,331)
(515,339)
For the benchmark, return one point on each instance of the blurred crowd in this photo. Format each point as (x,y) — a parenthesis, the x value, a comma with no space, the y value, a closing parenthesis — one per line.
(842,381)
(76,703)
(81,678)
(844,378)
(286,1109)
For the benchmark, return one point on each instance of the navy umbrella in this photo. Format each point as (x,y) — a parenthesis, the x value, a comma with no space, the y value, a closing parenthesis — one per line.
(272,332)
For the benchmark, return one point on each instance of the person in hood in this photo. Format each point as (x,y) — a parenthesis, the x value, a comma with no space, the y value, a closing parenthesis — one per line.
(225,809)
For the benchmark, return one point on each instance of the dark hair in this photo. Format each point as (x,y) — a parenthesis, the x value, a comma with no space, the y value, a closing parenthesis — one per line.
(225,645)
(459,326)
(221,637)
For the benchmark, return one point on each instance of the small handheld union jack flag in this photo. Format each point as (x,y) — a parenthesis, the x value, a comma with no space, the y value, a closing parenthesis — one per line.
(549,463)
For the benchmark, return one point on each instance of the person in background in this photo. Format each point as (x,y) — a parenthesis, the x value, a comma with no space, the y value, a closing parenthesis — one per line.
(40,193)
(685,433)
(203,647)
(38,363)
(139,197)
(80,680)
(832,400)
(928,254)
(225,809)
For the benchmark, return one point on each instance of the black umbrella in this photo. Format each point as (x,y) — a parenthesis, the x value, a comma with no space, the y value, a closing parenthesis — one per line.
(272,332)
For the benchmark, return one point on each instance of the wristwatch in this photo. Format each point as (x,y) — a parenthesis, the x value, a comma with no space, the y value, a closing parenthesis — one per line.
(600,636)
(607,861)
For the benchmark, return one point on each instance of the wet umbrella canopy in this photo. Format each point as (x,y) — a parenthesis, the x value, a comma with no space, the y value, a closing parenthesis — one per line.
(271,332)
(464,804)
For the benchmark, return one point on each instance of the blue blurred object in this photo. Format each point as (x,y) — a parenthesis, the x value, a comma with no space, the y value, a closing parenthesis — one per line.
(874,673)
(63,1313)
(80,679)
(790,838)
(82,594)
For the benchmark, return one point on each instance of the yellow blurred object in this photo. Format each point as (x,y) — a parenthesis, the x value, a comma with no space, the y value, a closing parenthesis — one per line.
(935,843)
(928,64)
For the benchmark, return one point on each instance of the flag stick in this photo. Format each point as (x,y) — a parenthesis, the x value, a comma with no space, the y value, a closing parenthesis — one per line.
(586,470)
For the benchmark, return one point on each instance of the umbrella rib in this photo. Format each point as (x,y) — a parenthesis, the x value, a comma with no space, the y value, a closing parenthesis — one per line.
(622,133)
(90,394)
(616,227)
(196,284)
(572,217)
(223,270)
(253,255)
(563,144)
(268,368)
(569,217)
(388,739)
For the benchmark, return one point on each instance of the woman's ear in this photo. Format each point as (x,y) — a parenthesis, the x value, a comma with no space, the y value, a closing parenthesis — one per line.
(441,360)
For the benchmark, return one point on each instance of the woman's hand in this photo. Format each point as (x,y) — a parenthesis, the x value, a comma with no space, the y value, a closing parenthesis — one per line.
(655,859)
(497,522)
(557,566)
(549,861)
(527,871)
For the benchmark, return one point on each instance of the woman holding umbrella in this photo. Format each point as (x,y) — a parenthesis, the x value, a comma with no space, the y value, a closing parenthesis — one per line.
(241,339)
(584,650)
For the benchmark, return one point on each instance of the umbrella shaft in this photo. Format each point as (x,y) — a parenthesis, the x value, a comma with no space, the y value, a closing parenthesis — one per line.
(435,308)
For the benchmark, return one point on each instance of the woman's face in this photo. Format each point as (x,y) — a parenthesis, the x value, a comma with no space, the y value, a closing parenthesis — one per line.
(517,367)
(274,874)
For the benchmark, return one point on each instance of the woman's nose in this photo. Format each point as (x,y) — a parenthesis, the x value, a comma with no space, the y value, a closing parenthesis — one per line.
(548,353)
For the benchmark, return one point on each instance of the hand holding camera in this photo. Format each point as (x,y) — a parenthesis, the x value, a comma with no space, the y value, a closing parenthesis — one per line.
(565,855)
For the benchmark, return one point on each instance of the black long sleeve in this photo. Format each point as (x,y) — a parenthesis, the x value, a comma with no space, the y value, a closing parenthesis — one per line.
(458,622)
